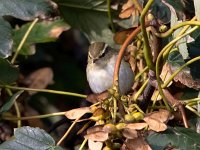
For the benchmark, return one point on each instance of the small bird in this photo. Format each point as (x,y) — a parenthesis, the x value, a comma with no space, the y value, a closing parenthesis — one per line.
(100,69)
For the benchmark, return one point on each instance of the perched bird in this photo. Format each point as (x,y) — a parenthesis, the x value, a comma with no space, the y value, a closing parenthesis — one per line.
(100,69)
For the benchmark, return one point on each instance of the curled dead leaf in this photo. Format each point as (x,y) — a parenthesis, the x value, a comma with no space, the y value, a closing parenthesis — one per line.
(137,144)
(129,133)
(162,115)
(155,125)
(136,126)
(128,9)
(95,129)
(77,113)
(39,79)
(94,98)
(99,136)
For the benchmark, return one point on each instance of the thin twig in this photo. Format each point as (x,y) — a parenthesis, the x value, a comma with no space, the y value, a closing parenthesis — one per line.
(23,40)
(45,91)
(68,131)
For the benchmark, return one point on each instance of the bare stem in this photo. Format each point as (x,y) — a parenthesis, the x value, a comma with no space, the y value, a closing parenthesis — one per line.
(23,40)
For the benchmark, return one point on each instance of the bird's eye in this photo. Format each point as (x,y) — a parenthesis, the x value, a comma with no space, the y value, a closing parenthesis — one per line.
(104,53)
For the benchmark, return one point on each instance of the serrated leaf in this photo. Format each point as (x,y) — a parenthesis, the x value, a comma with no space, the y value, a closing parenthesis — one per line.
(6,41)
(88,16)
(27,138)
(25,10)
(8,73)
(181,138)
(10,102)
(42,32)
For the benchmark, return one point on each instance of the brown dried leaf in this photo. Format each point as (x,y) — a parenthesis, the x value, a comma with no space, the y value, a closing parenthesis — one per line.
(55,32)
(99,136)
(95,129)
(39,79)
(187,80)
(162,115)
(128,9)
(121,36)
(33,122)
(137,144)
(166,73)
(136,126)
(94,145)
(94,98)
(77,113)
(155,125)
(129,133)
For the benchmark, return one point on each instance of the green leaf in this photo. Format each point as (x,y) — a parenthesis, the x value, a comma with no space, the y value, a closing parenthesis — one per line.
(46,31)
(27,138)
(161,11)
(10,102)
(6,41)
(88,16)
(8,73)
(25,10)
(181,138)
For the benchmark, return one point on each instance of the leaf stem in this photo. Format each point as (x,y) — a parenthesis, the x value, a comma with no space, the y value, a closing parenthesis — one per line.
(166,50)
(83,144)
(140,73)
(172,29)
(137,5)
(180,69)
(191,100)
(19,123)
(34,117)
(45,91)
(110,16)
(147,49)
(67,132)
(192,110)
(158,62)
(139,92)
(23,40)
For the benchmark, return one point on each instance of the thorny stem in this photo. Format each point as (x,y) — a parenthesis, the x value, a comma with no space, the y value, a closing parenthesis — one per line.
(23,40)
(45,91)
(147,49)
(110,15)
(67,132)
(34,117)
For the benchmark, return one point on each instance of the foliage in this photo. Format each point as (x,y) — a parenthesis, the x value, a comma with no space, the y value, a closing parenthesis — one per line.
(161,39)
